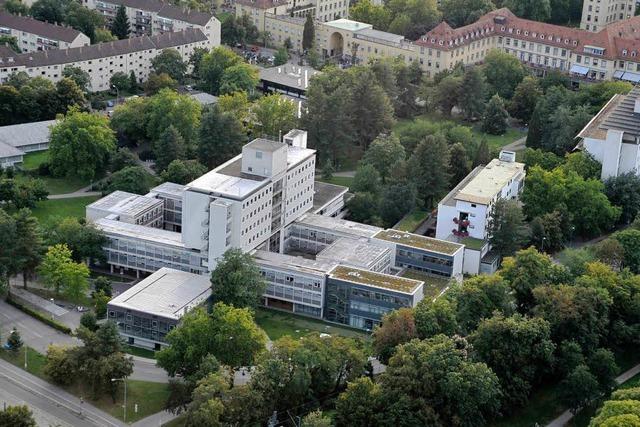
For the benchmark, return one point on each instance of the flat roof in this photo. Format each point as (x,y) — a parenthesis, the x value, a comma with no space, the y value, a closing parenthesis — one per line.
(419,242)
(296,263)
(339,225)
(167,293)
(377,280)
(354,252)
(289,75)
(169,189)
(140,232)
(325,193)
(489,181)
(266,145)
(380,35)
(123,203)
(347,24)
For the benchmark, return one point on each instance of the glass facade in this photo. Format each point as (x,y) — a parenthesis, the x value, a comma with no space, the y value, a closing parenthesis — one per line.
(305,291)
(139,324)
(428,262)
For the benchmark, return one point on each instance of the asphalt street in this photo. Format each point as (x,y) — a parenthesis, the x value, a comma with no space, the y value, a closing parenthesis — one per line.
(50,404)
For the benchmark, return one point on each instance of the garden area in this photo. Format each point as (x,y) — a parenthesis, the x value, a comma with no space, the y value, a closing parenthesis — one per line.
(277,324)
(32,162)
(51,211)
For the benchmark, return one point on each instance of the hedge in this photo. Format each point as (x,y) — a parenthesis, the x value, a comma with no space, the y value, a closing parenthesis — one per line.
(41,317)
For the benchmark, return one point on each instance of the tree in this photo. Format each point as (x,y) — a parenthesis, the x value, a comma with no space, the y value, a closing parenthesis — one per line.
(239,78)
(68,95)
(579,389)
(525,98)
(366,180)
(168,148)
(100,301)
(446,383)
(83,239)
(474,88)
(274,115)
(503,73)
(133,81)
(11,42)
(132,179)
(624,191)
(120,25)
(103,35)
(51,11)
(357,405)
(309,33)
(518,349)
(83,19)
(8,236)
(630,241)
(229,334)
(80,145)
(16,7)
(397,200)
(327,170)
(436,317)
(212,68)
(384,153)
(316,419)
(495,117)
(463,12)
(28,247)
(123,158)
(236,280)
(507,229)
(17,416)
(583,164)
(52,270)
(236,105)
(156,82)
(610,252)
(281,57)
(170,62)
(183,171)
(362,207)
(602,365)
(168,108)
(429,164)
(120,80)
(79,76)
(447,93)
(459,164)
(221,137)
(482,156)
(536,10)
(59,367)
(397,327)
(88,320)
(14,341)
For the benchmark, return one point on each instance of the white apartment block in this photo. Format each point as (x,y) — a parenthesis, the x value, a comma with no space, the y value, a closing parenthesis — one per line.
(464,214)
(612,136)
(128,208)
(151,17)
(33,35)
(102,60)
(596,14)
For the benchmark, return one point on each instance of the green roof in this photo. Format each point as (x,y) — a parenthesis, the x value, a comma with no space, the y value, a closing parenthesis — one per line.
(378,280)
(418,241)
(473,243)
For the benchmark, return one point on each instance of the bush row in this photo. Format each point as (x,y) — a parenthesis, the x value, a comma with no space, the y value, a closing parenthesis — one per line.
(42,317)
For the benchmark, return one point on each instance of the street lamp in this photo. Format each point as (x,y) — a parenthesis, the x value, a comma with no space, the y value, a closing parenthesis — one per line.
(117,93)
(124,380)
(542,244)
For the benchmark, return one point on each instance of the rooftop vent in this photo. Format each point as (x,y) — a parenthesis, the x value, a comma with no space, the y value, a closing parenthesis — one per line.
(636,106)
(507,156)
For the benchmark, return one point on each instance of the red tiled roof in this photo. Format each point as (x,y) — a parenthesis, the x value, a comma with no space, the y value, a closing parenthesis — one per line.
(619,40)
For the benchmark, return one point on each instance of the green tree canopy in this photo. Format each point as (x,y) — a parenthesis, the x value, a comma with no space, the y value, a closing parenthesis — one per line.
(236,280)
(170,61)
(221,137)
(503,72)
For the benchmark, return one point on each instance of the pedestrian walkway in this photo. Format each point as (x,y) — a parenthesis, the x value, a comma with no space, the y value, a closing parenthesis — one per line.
(566,416)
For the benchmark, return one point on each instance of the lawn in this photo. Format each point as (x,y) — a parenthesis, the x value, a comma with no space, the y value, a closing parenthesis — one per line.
(54,185)
(345,181)
(278,324)
(433,285)
(149,396)
(412,221)
(140,352)
(48,211)
(31,161)
(543,406)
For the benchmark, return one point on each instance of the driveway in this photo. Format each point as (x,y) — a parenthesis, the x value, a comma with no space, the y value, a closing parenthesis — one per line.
(39,336)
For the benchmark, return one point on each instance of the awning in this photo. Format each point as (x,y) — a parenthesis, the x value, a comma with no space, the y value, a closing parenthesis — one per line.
(579,69)
(631,77)
(618,74)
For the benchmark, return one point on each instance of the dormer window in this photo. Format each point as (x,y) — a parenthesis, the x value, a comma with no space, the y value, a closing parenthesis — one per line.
(526,33)
(517,31)
(501,28)
(542,36)
(624,52)
(534,34)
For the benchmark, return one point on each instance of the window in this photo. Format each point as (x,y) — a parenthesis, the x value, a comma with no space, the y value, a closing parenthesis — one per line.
(258,154)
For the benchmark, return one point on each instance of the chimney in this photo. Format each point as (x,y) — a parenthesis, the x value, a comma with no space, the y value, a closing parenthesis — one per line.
(279,70)
(306,78)
(299,82)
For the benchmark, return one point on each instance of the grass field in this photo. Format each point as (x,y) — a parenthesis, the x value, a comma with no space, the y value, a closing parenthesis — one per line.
(48,211)
(345,181)
(54,185)
(140,352)
(278,324)
(412,221)
(31,161)
(149,396)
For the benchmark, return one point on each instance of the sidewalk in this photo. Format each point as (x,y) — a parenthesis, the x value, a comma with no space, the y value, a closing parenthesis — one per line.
(566,416)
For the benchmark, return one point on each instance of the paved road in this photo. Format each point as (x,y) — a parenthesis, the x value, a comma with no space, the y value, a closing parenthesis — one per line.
(39,336)
(83,192)
(50,404)
(566,416)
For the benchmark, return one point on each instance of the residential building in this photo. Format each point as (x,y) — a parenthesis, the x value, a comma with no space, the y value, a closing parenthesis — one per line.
(102,60)
(17,140)
(148,311)
(33,35)
(359,298)
(612,136)
(465,213)
(152,17)
(598,13)
(293,12)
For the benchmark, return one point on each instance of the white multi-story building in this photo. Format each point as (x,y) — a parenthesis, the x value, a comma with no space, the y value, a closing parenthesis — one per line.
(246,202)
(464,214)
(596,14)
(612,136)
(102,60)
(151,17)
(33,35)
(129,208)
